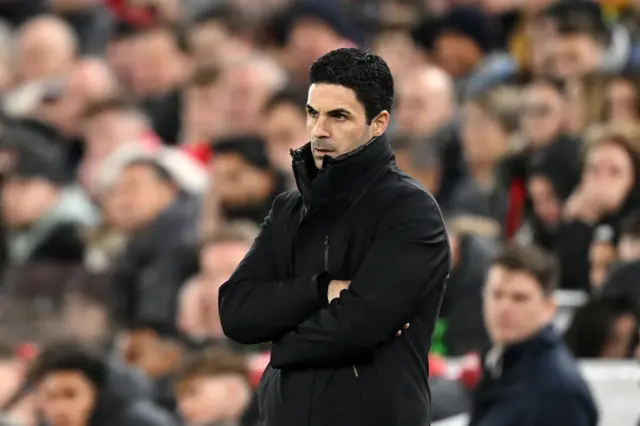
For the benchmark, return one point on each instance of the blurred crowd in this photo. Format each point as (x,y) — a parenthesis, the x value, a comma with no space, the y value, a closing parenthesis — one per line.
(142,143)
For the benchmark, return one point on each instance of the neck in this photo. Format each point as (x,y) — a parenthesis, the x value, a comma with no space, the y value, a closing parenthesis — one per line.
(482,173)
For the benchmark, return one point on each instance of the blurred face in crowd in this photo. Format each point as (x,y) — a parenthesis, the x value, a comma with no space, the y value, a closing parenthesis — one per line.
(158,64)
(623,103)
(67,398)
(207,399)
(629,248)
(198,312)
(244,91)
(515,307)
(119,56)
(337,121)
(26,200)
(238,183)
(546,204)
(397,49)
(542,117)
(425,101)
(308,40)
(427,174)
(149,353)
(575,55)
(214,46)
(484,140)
(145,195)
(456,54)
(202,112)
(109,130)
(46,49)
(284,129)
(609,172)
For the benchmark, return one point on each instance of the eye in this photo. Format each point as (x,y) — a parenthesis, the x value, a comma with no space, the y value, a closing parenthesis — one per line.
(340,117)
(312,113)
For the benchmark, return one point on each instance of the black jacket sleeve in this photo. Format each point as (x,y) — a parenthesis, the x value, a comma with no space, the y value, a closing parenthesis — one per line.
(559,407)
(255,305)
(408,258)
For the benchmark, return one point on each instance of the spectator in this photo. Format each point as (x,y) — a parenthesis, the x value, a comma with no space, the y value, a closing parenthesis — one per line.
(245,181)
(90,21)
(518,309)
(466,48)
(285,128)
(603,328)
(202,112)
(213,389)
(198,315)
(608,192)
(160,254)
(155,349)
(45,218)
(220,37)
(73,388)
(421,161)
(47,48)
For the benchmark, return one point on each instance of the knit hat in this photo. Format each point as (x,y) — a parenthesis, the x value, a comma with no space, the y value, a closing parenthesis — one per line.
(473,23)
(251,148)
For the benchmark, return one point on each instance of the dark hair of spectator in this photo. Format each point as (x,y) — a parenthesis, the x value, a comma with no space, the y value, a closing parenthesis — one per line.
(112,104)
(177,32)
(290,95)
(532,261)
(631,226)
(238,231)
(67,357)
(163,329)
(592,326)
(579,18)
(368,75)
(226,15)
(213,362)
(204,77)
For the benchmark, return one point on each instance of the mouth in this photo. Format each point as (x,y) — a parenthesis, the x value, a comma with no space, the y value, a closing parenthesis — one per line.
(321,152)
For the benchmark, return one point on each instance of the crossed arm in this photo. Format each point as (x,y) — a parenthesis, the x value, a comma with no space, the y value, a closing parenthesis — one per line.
(408,257)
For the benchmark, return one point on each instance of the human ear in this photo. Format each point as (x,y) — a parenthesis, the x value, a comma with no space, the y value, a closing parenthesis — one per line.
(380,123)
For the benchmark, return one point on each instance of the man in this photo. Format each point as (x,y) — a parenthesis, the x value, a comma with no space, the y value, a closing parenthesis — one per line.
(342,264)
(213,389)
(220,255)
(75,387)
(529,375)
(201,117)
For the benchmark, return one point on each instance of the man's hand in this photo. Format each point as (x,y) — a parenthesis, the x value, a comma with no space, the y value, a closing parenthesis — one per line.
(335,287)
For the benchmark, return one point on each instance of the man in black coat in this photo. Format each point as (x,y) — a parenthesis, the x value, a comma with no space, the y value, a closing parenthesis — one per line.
(342,264)
(529,376)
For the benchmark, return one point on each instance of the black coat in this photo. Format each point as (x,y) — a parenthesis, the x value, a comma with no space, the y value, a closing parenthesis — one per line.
(358,219)
(540,385)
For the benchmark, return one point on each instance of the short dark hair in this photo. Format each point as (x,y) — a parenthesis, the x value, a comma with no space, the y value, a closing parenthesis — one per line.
(70,356)
(229,17)
(110,104)
(579,18)
(367,74)
(289,95)
(531,260)
(214,362)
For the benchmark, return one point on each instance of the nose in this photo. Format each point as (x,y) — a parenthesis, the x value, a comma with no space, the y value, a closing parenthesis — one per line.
(320,129)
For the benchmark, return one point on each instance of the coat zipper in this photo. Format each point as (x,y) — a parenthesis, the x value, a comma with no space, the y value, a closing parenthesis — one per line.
(327,247)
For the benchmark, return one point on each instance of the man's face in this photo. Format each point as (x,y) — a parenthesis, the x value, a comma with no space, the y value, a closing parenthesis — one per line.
(310,39)
(144,195)
(44,51)
(157,63)
(284,129)
(575,56)
(238,183)
(425,102)
(202,400)
(337,122)
(108,131)
(24,201)
(543,115)
(219,260)
(629,248)
(146,351)
(67,398)
(456,54)
(546,205)
(244,92)
(203,111)
(515,307)
(484,140)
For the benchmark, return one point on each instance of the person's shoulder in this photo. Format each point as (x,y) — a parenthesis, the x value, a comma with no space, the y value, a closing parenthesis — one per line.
(287,198)
(400,188)
(146,413)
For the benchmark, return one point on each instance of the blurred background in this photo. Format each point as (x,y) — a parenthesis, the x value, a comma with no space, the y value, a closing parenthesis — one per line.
(142,143)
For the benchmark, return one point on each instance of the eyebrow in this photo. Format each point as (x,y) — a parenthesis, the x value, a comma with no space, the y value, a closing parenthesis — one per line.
(332,112)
